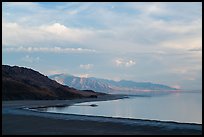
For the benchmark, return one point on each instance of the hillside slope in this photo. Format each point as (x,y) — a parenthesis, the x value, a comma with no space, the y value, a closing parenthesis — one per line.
(19,83)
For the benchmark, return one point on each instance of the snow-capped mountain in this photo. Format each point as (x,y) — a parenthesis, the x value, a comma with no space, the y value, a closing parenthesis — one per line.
(110,86)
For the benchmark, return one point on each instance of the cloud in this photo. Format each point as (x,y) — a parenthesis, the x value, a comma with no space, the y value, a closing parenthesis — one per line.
(180,70)
(130,63)
(191,78)
(176,86)
(72,34)
(30,59)
(14,34)
(83,75)
(195,49)
(47,50)
(140,30)
(149,9)
(184,43)
(86,66)
(124,63)
(177,27)
(56,71)
(118,62)
(23,4)
(187,73)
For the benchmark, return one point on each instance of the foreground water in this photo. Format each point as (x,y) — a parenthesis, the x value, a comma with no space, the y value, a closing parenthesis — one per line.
(179,107)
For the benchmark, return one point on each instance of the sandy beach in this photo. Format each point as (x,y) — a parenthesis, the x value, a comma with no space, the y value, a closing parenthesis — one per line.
(17,120)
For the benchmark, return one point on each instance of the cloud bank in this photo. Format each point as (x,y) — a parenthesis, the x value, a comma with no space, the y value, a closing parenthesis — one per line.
(158,42)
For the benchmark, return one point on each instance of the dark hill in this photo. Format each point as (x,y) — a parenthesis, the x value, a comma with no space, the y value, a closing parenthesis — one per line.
(19,83)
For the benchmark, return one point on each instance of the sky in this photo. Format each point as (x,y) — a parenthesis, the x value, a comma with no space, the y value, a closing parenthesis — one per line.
(143,42)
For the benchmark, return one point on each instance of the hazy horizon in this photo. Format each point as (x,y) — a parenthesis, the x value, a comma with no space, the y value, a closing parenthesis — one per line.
(143,42)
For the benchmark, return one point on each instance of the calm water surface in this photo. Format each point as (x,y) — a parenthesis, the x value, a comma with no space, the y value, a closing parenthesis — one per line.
(179,107)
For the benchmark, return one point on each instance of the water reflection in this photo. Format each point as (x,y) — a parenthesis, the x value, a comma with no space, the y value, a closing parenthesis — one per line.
(180,107)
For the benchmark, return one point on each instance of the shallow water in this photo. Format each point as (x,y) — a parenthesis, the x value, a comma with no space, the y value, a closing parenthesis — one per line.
(179,107)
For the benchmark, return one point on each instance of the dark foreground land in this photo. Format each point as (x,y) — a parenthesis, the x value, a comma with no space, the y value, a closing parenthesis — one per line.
(18,121)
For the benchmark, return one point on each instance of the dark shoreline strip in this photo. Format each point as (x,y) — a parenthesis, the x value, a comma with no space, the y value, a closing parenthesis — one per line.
(30,125)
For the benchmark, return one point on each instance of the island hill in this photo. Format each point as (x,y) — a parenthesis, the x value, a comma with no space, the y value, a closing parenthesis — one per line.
(19,83)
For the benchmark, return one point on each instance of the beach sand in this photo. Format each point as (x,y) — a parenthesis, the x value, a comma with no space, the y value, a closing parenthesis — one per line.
(18,121)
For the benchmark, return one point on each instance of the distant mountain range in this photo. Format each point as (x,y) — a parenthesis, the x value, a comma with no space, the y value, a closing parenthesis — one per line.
(110,86)
(19,83)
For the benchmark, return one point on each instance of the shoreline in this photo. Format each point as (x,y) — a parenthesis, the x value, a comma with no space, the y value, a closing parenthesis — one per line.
(12,112)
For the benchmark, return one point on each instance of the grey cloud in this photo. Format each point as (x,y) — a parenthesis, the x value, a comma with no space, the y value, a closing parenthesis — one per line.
(195,49)
(48,49)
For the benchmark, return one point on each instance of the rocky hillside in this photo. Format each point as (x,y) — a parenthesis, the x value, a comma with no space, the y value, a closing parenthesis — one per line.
(19,83)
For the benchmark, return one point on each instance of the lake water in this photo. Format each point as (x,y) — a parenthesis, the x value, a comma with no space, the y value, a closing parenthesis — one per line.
(179,107)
